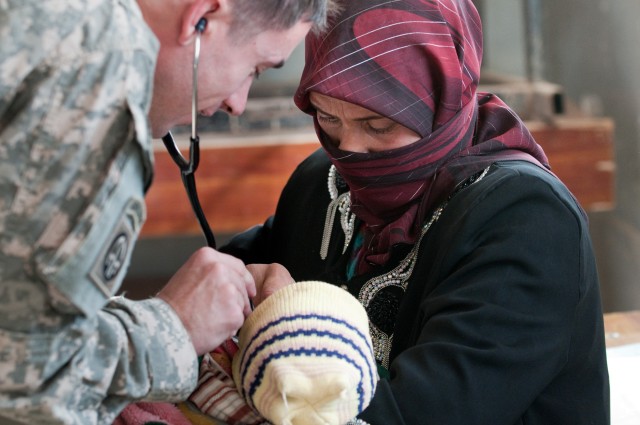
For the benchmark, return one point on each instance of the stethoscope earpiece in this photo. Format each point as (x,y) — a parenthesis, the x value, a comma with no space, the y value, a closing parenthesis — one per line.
(201,25)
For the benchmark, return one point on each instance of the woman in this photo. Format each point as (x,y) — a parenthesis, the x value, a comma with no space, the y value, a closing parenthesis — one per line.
(433,205)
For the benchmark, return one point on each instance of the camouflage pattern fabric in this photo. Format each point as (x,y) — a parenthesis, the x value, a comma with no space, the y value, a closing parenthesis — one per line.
(75,160)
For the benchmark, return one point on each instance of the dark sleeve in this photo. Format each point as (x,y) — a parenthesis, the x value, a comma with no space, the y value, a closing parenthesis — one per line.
(252,245)
(502,323)
(293,234)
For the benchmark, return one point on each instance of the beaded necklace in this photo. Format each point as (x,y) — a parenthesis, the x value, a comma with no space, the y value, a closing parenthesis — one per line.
(398,276)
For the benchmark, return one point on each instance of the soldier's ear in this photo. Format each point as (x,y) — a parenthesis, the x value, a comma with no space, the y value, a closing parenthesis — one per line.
(213,11)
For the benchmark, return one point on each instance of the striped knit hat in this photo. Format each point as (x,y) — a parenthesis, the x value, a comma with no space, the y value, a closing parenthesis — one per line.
(306,356)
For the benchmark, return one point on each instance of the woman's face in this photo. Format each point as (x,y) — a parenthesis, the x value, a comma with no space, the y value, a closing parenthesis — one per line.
(356,129)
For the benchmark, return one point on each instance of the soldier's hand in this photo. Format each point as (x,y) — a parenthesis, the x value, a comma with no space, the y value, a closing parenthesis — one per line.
(210,293)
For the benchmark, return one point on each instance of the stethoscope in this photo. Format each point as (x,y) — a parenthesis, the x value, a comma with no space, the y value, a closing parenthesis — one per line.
(188,168)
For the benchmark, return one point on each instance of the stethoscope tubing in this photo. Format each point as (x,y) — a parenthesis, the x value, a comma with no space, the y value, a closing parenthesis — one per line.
(189,167)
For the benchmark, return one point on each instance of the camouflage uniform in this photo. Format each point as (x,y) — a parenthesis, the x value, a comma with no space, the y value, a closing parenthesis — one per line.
(75,160)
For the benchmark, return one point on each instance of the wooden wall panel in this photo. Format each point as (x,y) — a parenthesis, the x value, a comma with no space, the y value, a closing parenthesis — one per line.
(239,181)
(237,186)
(581,154)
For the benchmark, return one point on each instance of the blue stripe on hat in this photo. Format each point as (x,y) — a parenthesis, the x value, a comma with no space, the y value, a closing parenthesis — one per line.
(293,333)
(266,327)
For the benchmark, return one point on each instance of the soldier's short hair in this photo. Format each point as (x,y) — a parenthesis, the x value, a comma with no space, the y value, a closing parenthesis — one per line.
(251,17)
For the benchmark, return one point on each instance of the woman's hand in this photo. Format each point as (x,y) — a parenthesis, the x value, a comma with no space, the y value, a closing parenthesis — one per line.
(268,278)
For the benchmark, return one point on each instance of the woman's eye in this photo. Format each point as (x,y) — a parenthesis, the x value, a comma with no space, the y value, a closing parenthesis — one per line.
(327,119)
(381,130)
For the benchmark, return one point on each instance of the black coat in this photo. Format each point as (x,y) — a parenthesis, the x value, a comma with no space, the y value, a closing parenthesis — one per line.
(501,321)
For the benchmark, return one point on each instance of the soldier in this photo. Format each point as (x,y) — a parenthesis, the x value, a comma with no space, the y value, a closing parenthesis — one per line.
(84,86)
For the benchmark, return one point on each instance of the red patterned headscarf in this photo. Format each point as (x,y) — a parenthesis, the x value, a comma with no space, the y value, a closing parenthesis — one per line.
(416,62)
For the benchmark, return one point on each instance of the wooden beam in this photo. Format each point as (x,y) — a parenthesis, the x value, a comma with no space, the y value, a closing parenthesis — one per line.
(239,179)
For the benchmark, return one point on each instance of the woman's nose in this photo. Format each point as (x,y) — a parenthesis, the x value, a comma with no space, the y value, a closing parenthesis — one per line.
(236,103)
(352,141)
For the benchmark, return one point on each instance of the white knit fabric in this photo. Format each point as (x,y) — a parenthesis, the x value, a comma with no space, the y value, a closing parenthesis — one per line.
(306,357)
